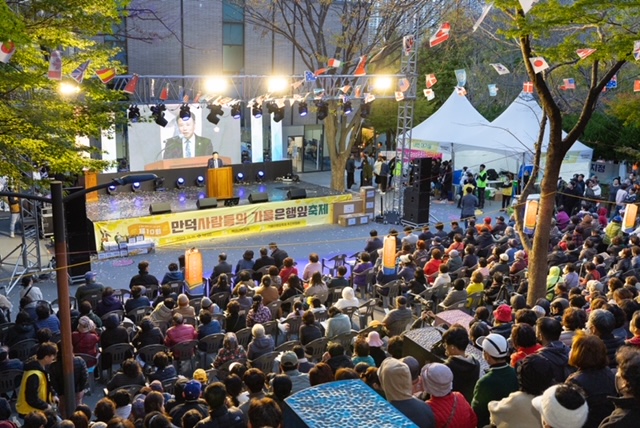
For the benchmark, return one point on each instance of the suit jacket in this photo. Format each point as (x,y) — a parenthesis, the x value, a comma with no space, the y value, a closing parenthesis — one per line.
(173,147)
(212,163)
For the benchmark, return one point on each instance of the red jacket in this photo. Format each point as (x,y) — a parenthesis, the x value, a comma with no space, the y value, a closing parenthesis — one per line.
(463,417)
(180,333)
(85,343)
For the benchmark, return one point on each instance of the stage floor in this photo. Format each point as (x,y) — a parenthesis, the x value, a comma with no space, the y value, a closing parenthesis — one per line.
(128,204)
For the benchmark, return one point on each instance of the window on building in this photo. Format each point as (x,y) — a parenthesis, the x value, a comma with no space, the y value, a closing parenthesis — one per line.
(232,36)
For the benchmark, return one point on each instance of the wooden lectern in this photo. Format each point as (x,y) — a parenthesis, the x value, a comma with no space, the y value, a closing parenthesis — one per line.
(220,182)
(198,161)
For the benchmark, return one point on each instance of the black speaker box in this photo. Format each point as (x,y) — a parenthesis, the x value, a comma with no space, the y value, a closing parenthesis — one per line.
(256,198)
(206,203)
(414,214)
(80,235)
(416,197)
(160,208)
(297,193)
(421,174)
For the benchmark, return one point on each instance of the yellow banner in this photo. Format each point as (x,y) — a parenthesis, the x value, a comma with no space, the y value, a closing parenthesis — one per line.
(189,226)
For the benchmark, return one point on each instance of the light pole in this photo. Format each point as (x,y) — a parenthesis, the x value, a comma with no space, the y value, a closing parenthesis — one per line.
(59,235)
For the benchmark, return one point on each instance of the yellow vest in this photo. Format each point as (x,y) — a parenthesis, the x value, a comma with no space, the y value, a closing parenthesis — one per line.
(22,406)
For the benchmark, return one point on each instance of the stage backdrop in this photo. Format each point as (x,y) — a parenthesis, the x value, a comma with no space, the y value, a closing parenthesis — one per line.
(147,140)
(188,226)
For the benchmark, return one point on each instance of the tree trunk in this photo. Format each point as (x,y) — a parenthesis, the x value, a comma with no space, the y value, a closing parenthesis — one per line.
(538,267)
(336,132)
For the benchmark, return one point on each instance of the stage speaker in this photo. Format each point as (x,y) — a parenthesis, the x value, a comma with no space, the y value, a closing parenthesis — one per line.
(296,193)
(80,237)
(415,206)
(421,174)
(256,198)
(160,208)
(206,203)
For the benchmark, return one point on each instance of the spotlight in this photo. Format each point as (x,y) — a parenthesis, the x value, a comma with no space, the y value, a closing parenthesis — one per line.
(323,110)
(260,175)
(216,110)
(112,190)
(180,183)
(303,109)
(236,110)
(346,107)
(158,114)
(365,110)
(158,184)
(134,113)
(256,110)
(135,187)
(185,112)
(278,112)
(239,177)
(200,181)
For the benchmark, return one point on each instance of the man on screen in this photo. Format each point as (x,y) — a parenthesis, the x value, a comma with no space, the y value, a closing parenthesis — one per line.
(215,161)
(187,144)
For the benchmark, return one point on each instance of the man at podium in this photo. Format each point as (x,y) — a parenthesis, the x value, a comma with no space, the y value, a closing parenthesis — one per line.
(187,144)
(215,161)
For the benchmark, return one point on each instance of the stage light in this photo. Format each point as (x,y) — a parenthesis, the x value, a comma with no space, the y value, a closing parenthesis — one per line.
(365,110)
(112,190)
(239,177)
(158,114)
(180,183)
(215,85)
(236,110)
(256,110)
(200,181)
(323,110)
(277,84)
(346,107)
(383,83)
(135,187)
(158,184)
(185,112)
(216,110)
(134,113)
(260,175)
(302,108)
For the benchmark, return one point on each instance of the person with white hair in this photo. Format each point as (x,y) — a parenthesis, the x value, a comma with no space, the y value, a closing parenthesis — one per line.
(348,299)
(261,344)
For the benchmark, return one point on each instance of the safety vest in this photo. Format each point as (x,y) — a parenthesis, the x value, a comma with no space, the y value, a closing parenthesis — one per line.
(22,406)
(481,181)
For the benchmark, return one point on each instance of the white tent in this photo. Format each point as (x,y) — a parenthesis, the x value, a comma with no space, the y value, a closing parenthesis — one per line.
(452,123)
(513,134)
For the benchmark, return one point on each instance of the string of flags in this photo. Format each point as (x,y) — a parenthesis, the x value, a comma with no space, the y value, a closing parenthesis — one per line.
(441,35)
(7,49)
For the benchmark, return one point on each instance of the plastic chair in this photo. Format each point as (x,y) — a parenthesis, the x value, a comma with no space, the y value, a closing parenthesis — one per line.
(93,298)
(321,316)
(316,348)
(293,329)
(265,362)
(287,346)
(394,288)
(191,321)
(221,299)
(221,319)
(133,390)
(345,340)
(151,291)
(196,304)
(117,353)
(366,311)
(339,260)
(119,313)
(462,304)
(136,315)
(287,304)
(209,345)
(92,363)
(184,351)
(476,300)
(272,328)
(274,307)
(244,337)
(368,275)
(23,349)
(168,385)
(4,328)
(334,295)
(176,286)
(10,380)
(72,300)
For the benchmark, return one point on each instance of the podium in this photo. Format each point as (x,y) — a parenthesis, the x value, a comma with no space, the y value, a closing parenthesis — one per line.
(195,162)
(220,182)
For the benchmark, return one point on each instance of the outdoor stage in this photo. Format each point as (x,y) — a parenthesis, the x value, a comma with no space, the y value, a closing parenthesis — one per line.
(125,216)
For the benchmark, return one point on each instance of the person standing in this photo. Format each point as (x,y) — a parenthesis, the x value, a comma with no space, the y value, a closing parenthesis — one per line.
(481,182)
(507,192)
(351,169)
(384,175)
(468,204)
(14,209)
(215,161)
(377,170)
(35,387)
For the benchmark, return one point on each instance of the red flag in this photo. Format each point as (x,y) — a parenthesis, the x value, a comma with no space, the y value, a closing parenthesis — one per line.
(320,71)
(196,100)
(431,80)
(527,88)
(441,35)
(106,75)
(360,71)
(333,63)
(636,86)
(131,85)
(164,94)
(55,66)
(7,49)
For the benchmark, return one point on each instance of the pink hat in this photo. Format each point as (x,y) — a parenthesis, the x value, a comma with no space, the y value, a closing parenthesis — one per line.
(373,339)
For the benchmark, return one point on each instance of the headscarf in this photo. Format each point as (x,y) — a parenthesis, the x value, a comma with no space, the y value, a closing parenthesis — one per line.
(395,379)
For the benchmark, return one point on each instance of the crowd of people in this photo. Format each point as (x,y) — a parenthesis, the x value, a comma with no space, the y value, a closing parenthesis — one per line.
(572,360)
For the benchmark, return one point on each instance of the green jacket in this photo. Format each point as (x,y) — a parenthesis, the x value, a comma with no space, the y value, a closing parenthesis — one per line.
(481,181)
(498,383)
